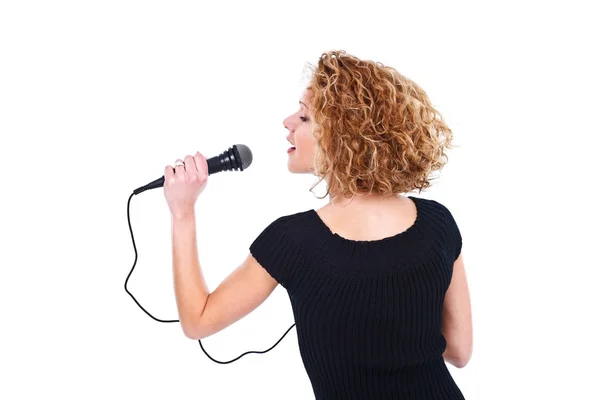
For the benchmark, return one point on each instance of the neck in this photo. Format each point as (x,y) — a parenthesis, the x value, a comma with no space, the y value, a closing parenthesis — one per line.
(364,200)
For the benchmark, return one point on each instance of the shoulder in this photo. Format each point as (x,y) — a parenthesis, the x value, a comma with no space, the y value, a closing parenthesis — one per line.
(278,248)
(439,217)
(436,209)
(444,222)
(287,224)
(289,227)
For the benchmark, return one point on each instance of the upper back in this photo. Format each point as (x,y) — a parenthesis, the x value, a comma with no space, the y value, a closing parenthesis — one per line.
(372,221)
(303,245)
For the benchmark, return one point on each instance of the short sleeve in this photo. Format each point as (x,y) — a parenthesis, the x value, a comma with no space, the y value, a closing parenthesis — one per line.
(276,249)
(452,231)
(458,242)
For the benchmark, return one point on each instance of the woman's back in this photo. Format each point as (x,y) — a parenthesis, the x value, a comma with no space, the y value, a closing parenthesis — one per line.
(369,218)
(368,313)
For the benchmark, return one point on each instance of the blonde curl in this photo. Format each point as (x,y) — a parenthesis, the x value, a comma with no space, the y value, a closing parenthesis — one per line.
(376,130)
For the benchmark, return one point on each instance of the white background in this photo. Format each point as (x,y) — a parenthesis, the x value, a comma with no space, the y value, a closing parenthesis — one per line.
(97,97)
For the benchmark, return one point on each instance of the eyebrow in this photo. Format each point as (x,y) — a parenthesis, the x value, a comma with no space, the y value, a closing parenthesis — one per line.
(303,104)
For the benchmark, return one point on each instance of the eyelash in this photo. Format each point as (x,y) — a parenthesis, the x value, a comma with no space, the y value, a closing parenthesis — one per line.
(303,119)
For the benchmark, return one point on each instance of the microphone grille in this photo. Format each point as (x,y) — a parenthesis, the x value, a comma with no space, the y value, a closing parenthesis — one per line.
(245,155)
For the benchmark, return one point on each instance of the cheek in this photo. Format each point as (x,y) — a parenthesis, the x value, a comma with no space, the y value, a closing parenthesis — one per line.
(307,142)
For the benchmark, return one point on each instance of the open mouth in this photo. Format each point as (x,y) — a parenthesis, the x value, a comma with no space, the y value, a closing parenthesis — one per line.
(291,149)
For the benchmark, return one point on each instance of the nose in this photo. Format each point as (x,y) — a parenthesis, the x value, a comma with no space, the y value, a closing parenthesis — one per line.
(287,123)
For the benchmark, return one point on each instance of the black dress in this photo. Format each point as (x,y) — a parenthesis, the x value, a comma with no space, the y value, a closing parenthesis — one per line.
(368,314)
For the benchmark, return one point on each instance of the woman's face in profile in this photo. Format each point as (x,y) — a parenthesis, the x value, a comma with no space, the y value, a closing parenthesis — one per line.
(299,126)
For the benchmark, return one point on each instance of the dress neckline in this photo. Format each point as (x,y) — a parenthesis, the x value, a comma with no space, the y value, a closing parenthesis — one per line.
(386,239)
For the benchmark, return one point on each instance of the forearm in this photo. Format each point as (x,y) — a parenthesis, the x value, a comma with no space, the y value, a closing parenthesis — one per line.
(191,290)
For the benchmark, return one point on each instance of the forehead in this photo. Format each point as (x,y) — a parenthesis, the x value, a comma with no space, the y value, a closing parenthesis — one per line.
(305,96)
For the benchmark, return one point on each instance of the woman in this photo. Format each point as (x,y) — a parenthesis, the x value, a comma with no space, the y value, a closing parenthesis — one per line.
(376,279)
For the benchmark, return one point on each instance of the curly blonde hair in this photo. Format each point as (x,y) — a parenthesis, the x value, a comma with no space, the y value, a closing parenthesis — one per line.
(376,130)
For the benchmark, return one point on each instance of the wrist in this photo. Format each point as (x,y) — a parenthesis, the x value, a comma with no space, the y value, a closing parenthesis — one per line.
(180,215)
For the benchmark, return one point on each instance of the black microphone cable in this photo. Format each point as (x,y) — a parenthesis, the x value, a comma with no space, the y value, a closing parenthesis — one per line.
(137,191)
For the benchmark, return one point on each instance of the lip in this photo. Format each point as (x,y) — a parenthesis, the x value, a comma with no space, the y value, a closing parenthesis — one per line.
(291,149)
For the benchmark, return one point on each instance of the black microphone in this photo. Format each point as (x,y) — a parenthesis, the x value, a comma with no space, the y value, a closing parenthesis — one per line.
(236,157)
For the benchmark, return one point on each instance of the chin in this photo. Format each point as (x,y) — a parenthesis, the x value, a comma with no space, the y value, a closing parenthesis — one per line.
(297,169)
(293,169)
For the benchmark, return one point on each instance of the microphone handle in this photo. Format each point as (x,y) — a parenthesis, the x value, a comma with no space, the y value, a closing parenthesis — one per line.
(222,162)
(152,185)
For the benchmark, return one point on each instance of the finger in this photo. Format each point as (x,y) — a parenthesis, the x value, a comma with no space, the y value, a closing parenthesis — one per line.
(179,169)
(201,163)
(190,164)
(169,172)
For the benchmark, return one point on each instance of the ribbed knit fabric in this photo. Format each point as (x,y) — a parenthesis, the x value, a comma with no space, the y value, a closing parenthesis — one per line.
(368,313)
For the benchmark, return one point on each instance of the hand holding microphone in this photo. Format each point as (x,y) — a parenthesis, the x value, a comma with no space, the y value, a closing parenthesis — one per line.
(184,183)
(237,157)
(188,178)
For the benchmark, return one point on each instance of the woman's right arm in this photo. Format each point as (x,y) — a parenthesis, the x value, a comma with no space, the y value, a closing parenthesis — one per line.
(246,287)
(457,324)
